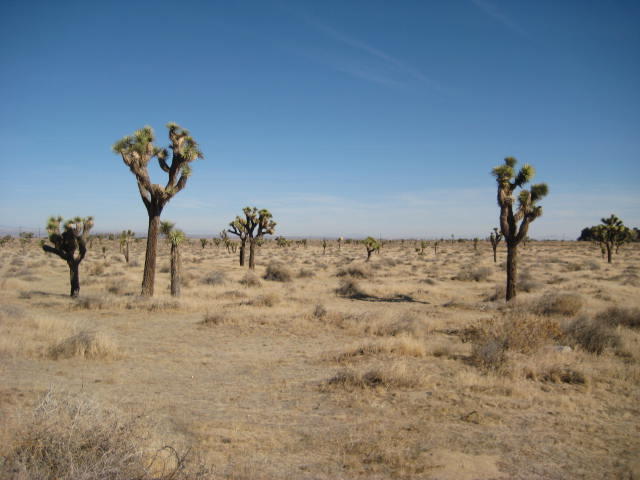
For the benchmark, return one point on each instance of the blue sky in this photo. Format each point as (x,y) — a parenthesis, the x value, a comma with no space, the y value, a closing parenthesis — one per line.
(342,117)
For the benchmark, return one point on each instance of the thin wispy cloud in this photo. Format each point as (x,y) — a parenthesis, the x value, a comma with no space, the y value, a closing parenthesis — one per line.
(370,63)
(494,12)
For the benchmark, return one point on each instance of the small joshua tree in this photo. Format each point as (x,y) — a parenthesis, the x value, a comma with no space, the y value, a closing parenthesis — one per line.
(324,246)
(5,240)
(259,224)
(475,244)
(216,242)
(610,234)
(204,242)
(423,244)
(70,245)
(238,227)
(340,240)
(137,150)
(435,246)
(175,238)
(282,241)
(125,238)
(372,245)
(528,210)
(495,238)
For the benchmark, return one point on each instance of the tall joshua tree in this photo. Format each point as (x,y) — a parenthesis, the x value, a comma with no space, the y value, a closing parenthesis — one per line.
(527,211)
(137,150)
(495,238)
(175,238)
(70,245)
(259,224)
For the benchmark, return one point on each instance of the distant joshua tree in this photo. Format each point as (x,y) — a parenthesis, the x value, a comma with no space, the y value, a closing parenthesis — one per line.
(340,240)
(372,245)
(5,240)
(475,244)
(324,246)
(255,225)
(175,238)
(137,150)
(423,244)
(611,234)
(125,238)
(435,246)
(495,238)
(508,181)
(204,242)
(70,245)
(282,241)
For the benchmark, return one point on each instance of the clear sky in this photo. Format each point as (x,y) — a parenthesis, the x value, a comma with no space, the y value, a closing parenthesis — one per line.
(344,118)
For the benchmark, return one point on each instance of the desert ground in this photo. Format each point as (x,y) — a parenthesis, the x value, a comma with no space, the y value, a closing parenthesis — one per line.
(409,366)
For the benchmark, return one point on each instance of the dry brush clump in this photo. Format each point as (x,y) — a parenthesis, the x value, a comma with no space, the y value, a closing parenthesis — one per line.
(472,273)
(561,304)
(592,335)
(355,271)
(396,375)
(620,316)
(277,272)
(402,345)
(87,345)
(73,438)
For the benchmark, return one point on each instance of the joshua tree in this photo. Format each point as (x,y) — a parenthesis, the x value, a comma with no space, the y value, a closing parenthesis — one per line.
(324,246)
(136,151)
(259,224)
(340,240)
(203,242)
(239,228)
(4,240)
(475,244)
(125,238)
(611,233)
(495,238)
(372,245)
(216,242)
(175,238)
(435,246)
(282,242)
(69,245)
(423,244)
(527,212)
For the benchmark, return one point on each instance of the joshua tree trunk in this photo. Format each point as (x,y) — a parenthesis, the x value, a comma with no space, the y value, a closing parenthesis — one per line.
(512,270)
(149,275)
(243,244)
(126,252)
(495,258)
(74,277)
(369,252)
(175,270)
(252,255)
(609,253)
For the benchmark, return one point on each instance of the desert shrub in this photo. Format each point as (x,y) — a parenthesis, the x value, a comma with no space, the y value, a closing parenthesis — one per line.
(92,302)
(526,283)
(407,323)
(471,273)
(115,288)
(86,345)
(518,331)
(429,281)
(11,312)
(165,269)
(498,293)
(277,272)
(216,277)
(355,271)
(305,273)
(560,374)
(350,288)
(592,336)
(402,345)
(133,262)
(250,279)
(489,353)
(267,300)
(591,265)
(393,376)
(573,267)
(213,319)
(319,311)
(73,438)
(96,269)
(615,316)
(564,304)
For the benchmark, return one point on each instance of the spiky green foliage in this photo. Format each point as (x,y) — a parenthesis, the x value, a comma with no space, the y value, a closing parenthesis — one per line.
(253,225)
(5,240)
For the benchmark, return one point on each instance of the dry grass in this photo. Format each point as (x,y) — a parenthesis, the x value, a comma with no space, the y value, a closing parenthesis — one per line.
(289,380)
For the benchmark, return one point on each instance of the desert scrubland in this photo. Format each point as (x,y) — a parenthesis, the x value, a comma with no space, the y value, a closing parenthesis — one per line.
(408,366)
